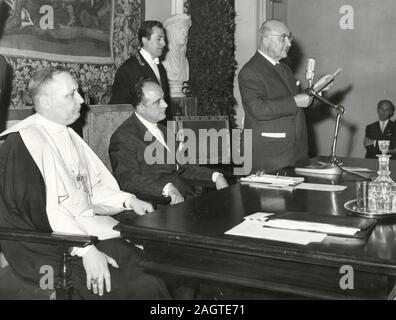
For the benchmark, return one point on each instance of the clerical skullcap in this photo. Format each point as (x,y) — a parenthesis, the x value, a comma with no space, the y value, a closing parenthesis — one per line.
(178,19)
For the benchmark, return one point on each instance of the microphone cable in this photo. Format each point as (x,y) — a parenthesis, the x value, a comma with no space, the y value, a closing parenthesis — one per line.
(353,173)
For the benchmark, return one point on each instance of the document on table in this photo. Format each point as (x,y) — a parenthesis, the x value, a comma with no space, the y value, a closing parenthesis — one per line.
(302,186)
(259,217)
(255,228)
(320,187)
(311,226)
(357,169)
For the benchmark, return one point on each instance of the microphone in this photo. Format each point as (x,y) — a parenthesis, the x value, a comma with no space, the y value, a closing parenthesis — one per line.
(310,72)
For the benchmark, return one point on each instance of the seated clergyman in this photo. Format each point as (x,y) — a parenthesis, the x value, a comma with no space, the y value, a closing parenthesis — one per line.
(51,180)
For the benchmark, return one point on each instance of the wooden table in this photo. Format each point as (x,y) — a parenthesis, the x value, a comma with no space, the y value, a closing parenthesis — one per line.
(188,240)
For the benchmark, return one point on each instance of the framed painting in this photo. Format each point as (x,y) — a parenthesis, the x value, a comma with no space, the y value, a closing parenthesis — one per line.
(60,30)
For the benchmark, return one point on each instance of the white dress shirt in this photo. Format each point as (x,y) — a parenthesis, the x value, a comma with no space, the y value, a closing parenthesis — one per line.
(157,133)
(153,63)
(274,62)
(154,130)
(383,125)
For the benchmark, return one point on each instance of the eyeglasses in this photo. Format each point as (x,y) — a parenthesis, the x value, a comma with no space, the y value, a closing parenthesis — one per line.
(284,36)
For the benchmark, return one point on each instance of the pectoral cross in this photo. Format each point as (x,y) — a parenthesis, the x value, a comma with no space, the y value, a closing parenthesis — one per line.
(82,179)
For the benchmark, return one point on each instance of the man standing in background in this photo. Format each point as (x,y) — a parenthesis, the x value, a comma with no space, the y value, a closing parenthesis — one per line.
(144,63)
(383,129)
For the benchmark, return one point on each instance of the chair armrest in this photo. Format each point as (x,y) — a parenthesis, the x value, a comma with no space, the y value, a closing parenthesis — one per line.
(56,239)
(153,199)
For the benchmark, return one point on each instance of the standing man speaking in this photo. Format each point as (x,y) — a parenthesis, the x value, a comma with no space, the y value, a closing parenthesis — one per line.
(273,104)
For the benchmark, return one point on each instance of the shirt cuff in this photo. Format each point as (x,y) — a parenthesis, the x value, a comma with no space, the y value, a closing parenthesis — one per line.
(165,191)
(76,251)
(375,143)
(215,176)
(124,203)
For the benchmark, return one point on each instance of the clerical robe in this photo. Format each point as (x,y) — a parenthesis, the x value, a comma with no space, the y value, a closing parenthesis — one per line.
(38,194)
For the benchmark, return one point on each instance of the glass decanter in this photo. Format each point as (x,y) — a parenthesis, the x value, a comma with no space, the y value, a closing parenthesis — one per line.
(382,189)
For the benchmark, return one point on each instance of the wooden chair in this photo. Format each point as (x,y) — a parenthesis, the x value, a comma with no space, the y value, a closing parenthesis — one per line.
(101,122)
(213,150)
(10,117)
(64,289)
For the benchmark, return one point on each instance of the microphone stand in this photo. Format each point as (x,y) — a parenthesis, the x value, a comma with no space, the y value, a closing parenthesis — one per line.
(333,166)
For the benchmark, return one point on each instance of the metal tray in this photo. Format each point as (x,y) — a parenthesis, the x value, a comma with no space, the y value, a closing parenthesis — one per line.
(351,206)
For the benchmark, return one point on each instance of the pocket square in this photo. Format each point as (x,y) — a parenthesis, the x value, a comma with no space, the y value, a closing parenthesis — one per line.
(278,135)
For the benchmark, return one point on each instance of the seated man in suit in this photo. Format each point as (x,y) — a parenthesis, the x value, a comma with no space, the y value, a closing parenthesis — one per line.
(384,129)
(133,142)
(51,181)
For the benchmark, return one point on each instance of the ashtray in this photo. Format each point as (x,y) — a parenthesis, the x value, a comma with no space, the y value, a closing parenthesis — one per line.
(352,206)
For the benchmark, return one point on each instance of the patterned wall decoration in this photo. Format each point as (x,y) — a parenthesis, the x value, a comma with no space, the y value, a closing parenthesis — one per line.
(94,79)
(211,55)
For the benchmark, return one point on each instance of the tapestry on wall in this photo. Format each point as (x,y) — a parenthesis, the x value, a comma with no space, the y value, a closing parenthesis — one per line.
(94,78)
(60,30)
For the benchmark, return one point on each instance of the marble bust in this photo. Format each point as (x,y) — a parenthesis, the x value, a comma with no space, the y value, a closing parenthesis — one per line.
(175,62)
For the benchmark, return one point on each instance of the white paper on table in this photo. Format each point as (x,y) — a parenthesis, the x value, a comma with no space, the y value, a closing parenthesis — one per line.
(303,186)
(310,226)
(357,169)
(320,187)
(259,216)
(254,230)
(260,185)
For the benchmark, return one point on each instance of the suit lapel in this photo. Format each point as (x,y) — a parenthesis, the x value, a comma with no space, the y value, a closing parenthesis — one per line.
(287,79)
(282,75)
(163,77)
(378,129)
(142,130)
(150,73)
(388,129)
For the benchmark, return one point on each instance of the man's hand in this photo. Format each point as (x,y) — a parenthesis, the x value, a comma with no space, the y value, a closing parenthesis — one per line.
(95,265)
(175,194)
(368,142)
(221,182)
(140,207)
(303,100)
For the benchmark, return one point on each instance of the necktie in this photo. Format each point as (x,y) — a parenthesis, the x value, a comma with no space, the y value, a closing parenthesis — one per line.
(160,138)
(382,126)
(285,77)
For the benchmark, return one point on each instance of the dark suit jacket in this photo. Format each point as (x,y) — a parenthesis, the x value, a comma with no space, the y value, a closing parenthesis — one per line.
(267,97)
(373,131)
(127,156)
(129,73)
(6,75)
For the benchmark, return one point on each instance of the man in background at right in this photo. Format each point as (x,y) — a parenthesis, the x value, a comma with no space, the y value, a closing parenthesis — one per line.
(383,129)
(272,103)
